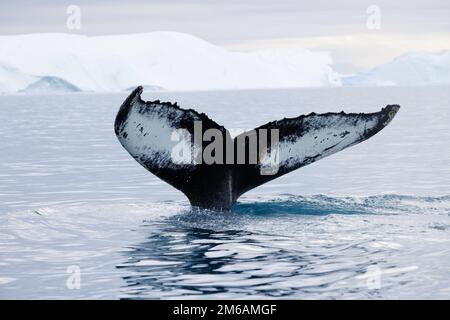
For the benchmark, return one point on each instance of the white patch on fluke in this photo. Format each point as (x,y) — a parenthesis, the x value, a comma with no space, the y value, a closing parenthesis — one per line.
(323,137)
(148,136)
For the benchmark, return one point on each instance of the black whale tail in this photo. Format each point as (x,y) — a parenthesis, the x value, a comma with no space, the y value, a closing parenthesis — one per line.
(161,137)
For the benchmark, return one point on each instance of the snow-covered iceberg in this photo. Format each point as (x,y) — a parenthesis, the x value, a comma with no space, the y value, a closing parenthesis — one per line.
(412,69)
(169,60)
(49,84)
(12,79)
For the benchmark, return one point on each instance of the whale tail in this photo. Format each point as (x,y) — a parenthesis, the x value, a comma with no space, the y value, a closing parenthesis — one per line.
(197,156)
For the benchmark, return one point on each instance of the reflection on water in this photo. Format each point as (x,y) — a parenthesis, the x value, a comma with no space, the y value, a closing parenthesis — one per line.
(197,253)
(283,246)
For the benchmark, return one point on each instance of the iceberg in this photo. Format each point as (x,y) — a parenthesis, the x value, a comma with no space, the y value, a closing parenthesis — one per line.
(50,85)
(412,69)
(169,60)
(12,79)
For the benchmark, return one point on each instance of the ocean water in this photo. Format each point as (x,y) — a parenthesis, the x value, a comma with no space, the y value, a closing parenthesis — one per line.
(79,218)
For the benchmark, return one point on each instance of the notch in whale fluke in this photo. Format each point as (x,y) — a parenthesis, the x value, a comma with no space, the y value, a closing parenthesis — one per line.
(146,131)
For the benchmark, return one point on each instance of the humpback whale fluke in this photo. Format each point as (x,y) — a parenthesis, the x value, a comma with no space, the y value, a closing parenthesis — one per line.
(152,132)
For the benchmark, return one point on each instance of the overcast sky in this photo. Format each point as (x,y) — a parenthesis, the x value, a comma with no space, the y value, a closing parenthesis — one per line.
(336,26)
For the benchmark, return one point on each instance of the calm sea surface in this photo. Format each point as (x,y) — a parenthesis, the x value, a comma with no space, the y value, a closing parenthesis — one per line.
(372,221)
